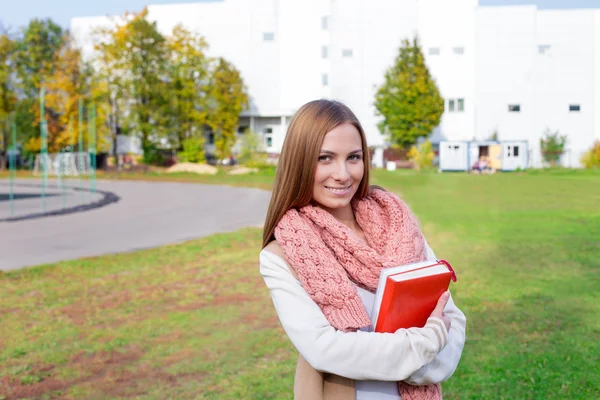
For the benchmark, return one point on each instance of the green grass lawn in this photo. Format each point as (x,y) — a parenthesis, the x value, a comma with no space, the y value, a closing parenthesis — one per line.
(196,321)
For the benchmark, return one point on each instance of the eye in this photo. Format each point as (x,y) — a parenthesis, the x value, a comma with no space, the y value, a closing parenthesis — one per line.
(355,157)
(324,158)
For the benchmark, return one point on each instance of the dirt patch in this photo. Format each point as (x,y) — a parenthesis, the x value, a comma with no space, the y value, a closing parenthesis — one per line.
(77,313)
(114,300)
(101,370)
(195,168)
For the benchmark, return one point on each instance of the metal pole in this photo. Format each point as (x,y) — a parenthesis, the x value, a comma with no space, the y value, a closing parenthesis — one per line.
(92,146)
(44,149)
(80,148)
(11,165)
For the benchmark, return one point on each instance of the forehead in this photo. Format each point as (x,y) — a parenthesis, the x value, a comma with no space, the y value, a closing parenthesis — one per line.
(343,137)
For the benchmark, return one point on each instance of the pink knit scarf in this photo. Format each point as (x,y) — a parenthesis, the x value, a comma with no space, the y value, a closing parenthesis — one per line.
(328,257)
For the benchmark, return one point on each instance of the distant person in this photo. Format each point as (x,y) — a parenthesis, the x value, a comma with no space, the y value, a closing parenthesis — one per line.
(327,236)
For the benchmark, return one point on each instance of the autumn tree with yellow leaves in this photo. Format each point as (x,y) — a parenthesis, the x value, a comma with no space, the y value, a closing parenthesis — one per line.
(71,82)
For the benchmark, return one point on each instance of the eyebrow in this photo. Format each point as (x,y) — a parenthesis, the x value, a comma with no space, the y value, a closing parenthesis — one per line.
(333,153)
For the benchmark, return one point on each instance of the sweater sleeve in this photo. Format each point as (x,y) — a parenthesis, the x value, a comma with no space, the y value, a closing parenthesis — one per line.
(445,362)
(355,355)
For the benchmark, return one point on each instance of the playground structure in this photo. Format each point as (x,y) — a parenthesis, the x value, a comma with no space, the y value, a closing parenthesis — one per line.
(67,163)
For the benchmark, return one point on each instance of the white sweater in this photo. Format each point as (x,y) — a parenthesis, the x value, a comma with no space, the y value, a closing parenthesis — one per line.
(375,360)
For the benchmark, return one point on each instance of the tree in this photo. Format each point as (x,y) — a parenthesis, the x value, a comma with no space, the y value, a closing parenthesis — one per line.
(109,73)
(70,82)
(40,42)
(8,98)
(142,69)
(35,50)
(188,72)
(227,98)
(408,100)
(552,146)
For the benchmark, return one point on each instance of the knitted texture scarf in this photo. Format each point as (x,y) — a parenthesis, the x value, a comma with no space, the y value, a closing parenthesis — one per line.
(328,257)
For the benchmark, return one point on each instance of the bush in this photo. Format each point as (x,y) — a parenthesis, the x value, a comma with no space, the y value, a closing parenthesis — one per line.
(591,159)
(553,147)
(153,155)
(421,155)
(252,153)
(193,151)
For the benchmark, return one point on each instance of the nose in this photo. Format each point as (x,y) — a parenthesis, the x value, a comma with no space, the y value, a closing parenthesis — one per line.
(341,172)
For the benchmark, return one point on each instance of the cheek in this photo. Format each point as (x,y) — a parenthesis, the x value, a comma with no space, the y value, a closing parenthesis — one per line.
(321,174)
(357,171)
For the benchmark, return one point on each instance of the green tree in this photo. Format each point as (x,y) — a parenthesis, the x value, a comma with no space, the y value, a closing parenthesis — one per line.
(36,47)
(227,98)
(408,100)
(109,74)
(188,73)
(142,66)
(8,97)
(40,42)
(552,146)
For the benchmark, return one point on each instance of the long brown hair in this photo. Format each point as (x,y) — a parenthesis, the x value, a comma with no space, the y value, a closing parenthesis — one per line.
(298,160)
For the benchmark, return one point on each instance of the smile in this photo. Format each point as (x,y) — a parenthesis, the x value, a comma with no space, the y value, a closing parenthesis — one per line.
(339,191)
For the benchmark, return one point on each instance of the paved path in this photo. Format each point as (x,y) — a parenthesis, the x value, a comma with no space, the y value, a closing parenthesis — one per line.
(147,214)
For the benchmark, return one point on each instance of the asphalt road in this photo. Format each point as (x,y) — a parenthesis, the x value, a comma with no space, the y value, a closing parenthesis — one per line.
(144,215)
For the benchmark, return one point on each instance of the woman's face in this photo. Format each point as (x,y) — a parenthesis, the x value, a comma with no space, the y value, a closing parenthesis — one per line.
(340,168)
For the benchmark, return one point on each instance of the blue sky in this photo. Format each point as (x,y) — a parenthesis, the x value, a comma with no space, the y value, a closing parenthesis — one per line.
(16,13)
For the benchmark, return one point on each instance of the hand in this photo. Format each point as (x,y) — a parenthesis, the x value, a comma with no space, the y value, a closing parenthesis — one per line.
(438,311)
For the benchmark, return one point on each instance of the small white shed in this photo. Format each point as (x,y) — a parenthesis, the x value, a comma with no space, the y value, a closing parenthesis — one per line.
(505,155)
(454,156)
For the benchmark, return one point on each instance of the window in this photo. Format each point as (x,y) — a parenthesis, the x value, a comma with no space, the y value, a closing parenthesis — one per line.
(514,108)
(268,130)
(269,141)
(324,52)
(268,36)
(347,53)
(451,105)
(458,50)
(543,48)
(434,51)
(242,129)
(325,80)
(461,104)
(574,107)
(324,23)
(515,151)
(211,138)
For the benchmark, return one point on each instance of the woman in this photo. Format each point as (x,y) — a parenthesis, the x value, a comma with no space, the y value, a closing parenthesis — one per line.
(326,238)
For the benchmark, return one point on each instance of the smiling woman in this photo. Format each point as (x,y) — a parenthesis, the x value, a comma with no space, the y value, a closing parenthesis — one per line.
(327,237)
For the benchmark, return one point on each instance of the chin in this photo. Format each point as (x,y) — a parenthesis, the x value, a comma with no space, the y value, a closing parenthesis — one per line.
(326,200)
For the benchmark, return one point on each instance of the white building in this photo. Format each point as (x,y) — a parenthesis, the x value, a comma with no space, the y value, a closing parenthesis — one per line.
(512,70)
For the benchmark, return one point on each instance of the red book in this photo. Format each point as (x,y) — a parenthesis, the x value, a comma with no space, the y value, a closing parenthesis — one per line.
(406,295)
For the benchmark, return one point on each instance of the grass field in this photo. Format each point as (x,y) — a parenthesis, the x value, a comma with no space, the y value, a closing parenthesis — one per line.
(195,321)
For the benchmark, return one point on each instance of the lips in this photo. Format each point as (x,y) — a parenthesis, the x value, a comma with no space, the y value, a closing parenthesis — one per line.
(339,191)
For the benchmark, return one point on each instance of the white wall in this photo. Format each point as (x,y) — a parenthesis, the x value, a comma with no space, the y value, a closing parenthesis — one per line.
(504,67)
(373,30)
(501,64)
(511,69)
(446,26)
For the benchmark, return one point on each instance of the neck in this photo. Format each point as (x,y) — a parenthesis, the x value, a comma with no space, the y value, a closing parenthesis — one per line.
(345,216)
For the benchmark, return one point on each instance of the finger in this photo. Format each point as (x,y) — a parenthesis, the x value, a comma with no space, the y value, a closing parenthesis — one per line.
(441,304)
